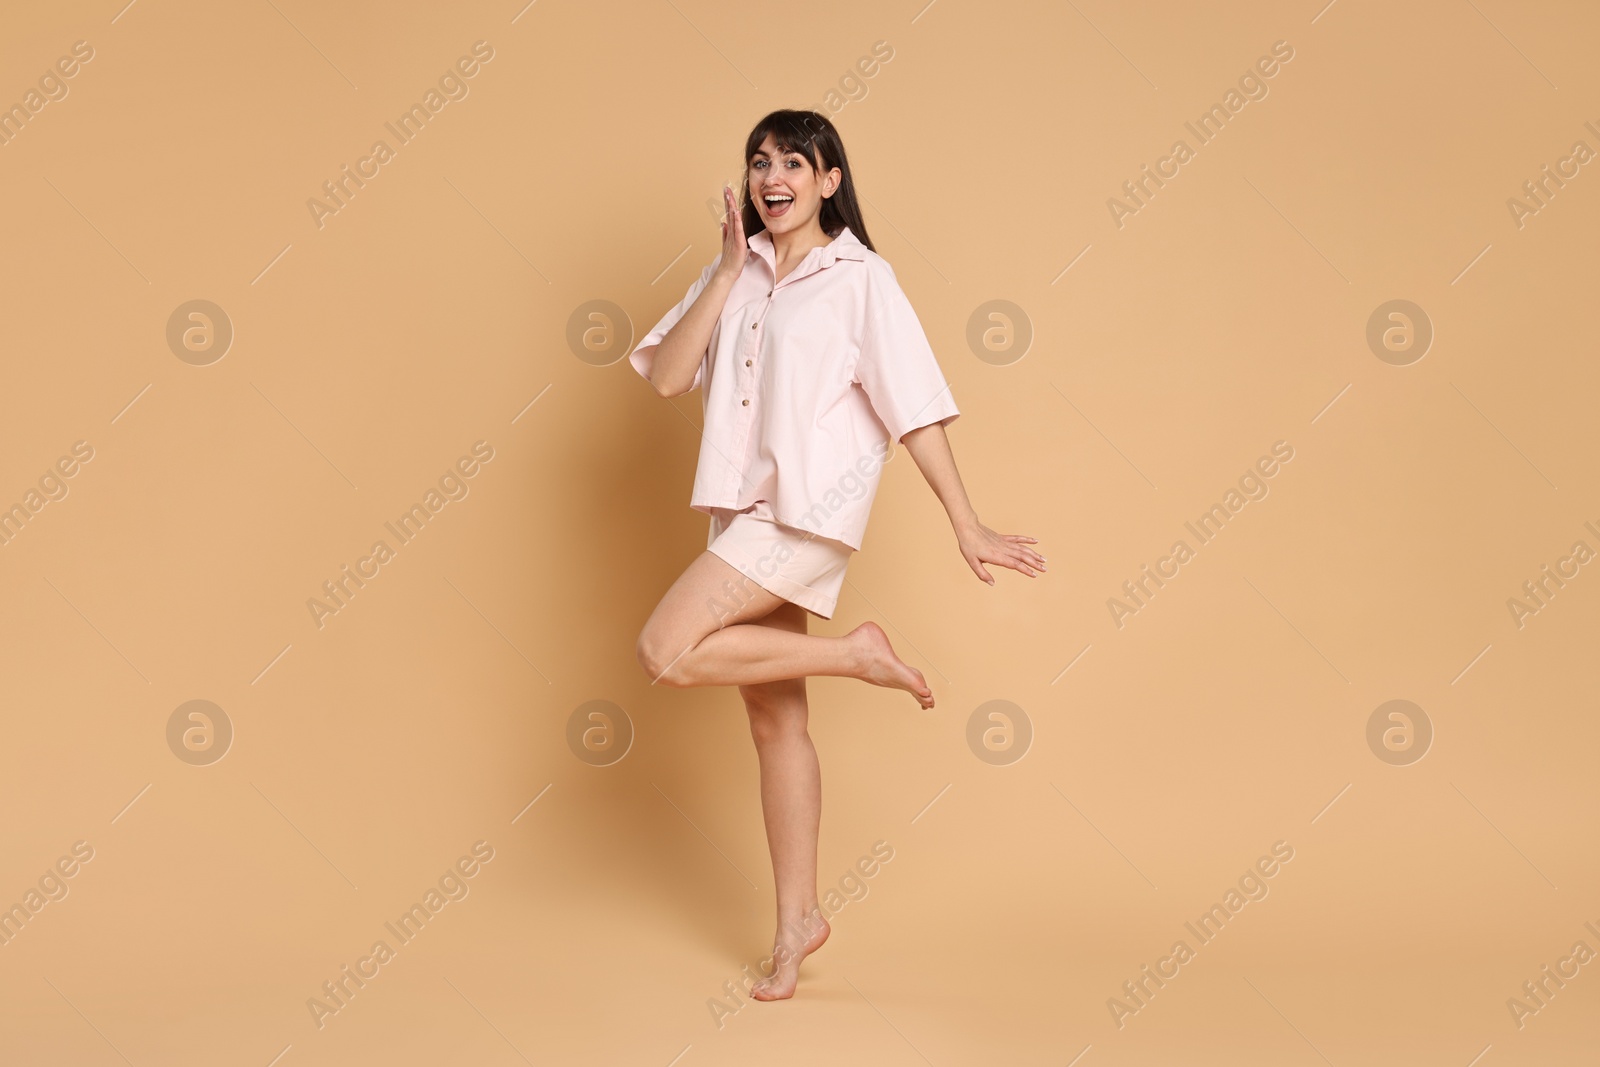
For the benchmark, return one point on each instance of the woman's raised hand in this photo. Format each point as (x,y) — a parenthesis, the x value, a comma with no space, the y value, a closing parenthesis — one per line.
(735,248)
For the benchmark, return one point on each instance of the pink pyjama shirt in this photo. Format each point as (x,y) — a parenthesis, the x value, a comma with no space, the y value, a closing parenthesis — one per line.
(806,383)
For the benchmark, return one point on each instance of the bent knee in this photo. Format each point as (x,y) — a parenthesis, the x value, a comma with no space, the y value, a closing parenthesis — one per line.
(658,658)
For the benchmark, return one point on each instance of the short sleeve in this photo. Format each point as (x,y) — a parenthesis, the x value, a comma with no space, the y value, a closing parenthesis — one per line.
(643,356)
(897,368)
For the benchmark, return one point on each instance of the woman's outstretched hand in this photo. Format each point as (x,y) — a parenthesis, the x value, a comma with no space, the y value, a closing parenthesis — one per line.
(735,248)
(980,545)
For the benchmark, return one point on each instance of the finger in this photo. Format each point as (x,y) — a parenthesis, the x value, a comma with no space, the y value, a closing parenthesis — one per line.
(1017,563)
(1028,552)
(977,568)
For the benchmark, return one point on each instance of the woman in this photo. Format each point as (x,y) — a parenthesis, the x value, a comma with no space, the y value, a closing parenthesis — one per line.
(813,363)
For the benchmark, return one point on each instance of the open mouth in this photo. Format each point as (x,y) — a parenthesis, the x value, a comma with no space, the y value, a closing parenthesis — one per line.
(777,204)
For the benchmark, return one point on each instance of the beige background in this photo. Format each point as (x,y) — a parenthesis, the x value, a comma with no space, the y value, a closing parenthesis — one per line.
(1230,713)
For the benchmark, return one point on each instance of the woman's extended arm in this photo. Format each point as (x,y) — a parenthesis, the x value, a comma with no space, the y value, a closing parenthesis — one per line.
(930,447)
(684,346)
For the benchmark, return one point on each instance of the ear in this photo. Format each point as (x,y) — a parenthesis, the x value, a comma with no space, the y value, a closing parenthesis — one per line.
(831,186)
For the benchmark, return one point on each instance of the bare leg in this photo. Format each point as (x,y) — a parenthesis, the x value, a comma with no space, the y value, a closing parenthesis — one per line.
(701,634)
(791,802)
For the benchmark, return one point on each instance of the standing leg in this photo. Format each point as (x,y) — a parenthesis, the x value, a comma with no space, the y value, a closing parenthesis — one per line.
(791,804)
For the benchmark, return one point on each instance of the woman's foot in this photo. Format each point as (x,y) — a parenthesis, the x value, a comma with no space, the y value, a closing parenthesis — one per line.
(880,666)
(786,958)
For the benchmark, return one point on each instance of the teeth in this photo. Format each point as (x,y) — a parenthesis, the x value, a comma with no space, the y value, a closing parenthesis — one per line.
(778,199)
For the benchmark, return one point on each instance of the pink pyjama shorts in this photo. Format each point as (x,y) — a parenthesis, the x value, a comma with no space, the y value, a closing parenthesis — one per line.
(796,564)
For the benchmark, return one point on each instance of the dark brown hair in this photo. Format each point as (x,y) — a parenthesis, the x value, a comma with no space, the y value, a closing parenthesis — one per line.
(811,135)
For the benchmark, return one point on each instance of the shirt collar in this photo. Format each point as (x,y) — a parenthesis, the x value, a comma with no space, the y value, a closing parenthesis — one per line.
(844,246)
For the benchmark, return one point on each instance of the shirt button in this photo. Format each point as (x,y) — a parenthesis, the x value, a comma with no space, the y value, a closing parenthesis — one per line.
(746,403)
(747,363)
(753,325)
(769,292)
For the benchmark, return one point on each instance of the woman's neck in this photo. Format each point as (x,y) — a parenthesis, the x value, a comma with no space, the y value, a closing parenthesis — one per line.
(792,247)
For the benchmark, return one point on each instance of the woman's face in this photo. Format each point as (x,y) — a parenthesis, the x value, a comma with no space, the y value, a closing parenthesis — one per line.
(787,193)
